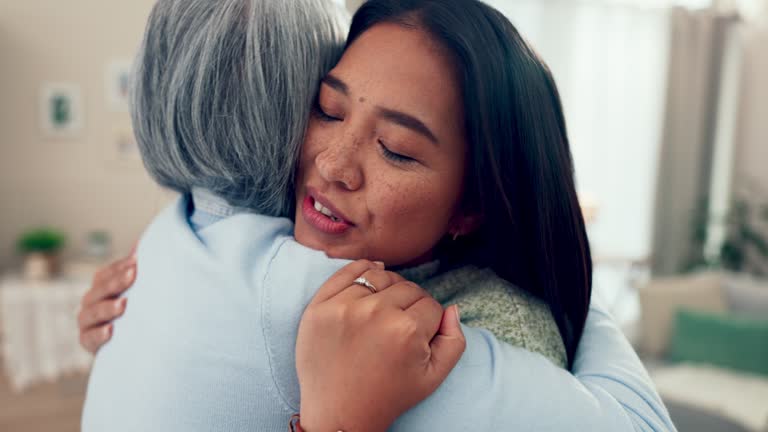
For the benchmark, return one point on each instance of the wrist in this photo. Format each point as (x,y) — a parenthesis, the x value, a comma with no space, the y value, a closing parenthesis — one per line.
(328,423)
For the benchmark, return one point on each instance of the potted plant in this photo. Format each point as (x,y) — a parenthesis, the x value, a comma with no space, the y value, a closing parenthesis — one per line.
(41,248)
(98,245)
(745,246)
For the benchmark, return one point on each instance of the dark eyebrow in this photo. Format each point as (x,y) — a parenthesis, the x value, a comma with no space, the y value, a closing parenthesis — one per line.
(408,121)
(335,83)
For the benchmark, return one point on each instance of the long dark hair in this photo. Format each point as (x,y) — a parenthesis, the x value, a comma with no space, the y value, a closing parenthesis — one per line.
(520,170)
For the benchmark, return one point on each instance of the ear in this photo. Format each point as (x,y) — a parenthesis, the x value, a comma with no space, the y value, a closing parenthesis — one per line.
(464,224)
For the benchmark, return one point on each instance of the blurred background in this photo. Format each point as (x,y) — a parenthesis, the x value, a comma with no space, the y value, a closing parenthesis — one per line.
(667,108)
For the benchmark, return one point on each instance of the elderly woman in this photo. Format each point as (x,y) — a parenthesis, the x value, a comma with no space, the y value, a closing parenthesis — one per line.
(208,341)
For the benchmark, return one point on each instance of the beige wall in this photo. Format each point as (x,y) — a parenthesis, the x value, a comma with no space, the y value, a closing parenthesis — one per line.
(751,166)
(81,183)
(352,5)
(78,184)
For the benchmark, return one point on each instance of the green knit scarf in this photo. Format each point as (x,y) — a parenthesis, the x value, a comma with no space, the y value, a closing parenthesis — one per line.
(490,302)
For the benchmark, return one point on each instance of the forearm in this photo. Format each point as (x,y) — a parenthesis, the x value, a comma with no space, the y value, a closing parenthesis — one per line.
(605,362)
(500,387)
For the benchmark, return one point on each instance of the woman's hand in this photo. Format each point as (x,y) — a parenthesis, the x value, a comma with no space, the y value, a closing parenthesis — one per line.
(101,304)
(363,359)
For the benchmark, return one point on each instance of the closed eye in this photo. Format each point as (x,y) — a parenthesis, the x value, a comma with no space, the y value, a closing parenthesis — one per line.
(322,115)
(395,157)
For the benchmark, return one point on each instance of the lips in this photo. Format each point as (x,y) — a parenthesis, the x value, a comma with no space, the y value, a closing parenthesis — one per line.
(326,211)
(322,216)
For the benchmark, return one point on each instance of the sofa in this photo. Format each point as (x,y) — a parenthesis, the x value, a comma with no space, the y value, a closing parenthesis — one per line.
(705,387)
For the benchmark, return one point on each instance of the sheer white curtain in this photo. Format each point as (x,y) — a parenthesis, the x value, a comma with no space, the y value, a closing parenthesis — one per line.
(610,61)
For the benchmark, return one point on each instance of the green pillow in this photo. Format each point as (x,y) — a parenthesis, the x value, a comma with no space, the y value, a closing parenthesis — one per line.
(726,340)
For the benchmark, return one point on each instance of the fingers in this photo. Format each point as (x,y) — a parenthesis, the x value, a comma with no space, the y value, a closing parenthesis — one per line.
(403,294)
(342,279)
(428,313)
(118,267)
(114,268)
(448,345)
(133,249)
(111,281)
(94,338)
(99,313)
(381,279)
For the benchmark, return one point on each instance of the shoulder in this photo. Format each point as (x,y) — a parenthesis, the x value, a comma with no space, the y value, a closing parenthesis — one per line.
(301,268)
(292,276)
(194,307)
(490,377)
(510,313)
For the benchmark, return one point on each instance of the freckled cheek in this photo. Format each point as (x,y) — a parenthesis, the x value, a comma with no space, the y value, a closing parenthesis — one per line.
(411,209)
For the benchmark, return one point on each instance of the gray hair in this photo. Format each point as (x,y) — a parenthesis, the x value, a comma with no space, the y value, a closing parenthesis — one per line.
(222,93)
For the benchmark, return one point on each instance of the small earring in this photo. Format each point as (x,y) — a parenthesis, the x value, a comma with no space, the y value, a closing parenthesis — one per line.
(456,235)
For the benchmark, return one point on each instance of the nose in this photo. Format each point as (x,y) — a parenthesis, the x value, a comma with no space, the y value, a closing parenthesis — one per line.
(339,163)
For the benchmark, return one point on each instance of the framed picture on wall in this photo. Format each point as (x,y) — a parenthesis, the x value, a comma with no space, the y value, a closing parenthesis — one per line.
(61,112)
(117,80)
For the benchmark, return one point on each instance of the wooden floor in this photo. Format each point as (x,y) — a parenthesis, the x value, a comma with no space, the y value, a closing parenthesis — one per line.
(52,407)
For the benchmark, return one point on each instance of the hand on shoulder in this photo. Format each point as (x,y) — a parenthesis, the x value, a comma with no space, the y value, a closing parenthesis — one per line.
(366,354)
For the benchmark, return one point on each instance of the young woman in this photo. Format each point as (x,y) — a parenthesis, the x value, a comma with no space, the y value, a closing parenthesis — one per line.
(424,150)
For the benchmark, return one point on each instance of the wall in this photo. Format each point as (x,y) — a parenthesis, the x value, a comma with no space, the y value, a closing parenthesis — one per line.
(741,147)
(82,183)
(78,184)
(352,5)
(751,169)
(752,136)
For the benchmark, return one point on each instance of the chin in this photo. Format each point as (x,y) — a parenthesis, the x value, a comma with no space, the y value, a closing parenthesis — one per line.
(317,244)
(340,252)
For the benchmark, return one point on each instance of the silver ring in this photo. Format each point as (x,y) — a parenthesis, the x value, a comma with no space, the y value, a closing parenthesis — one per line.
(364,282)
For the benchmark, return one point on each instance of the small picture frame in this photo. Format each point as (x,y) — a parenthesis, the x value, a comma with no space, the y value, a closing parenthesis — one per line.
(117,80)
(61,111)
(126,147)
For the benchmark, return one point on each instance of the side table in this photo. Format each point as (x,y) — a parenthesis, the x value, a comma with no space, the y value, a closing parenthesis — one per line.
(40,339)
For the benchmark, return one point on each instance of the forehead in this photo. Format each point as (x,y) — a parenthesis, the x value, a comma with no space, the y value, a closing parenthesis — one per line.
(402,68)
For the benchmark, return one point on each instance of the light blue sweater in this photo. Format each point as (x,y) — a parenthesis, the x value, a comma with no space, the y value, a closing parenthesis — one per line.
(207,344)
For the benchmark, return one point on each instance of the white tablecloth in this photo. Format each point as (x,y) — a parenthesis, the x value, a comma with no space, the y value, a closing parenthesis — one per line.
(40,340)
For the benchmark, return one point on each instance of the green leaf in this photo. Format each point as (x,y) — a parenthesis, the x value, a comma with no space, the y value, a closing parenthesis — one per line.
(732,255)
(45,240)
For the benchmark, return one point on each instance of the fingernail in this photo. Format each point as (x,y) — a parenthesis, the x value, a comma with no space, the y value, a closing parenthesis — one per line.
(129,274)
(458,315)
(108,331)
(379,264)
(121,303)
